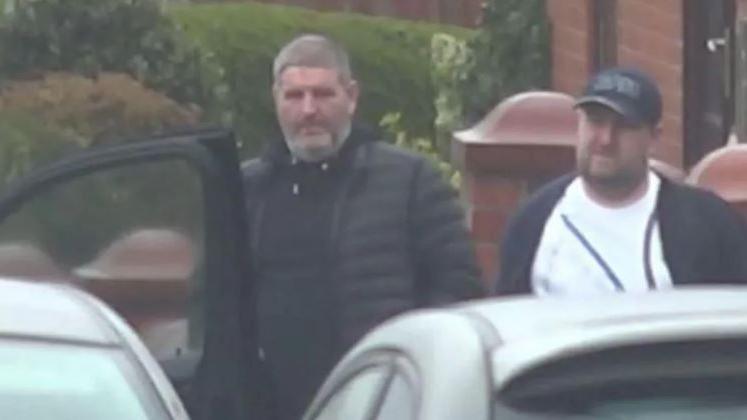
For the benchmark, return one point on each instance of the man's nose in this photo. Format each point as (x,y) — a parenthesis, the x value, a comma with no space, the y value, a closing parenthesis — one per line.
(604,133)
(309,105)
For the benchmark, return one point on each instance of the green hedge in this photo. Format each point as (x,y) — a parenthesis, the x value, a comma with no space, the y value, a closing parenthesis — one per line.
(512,55)
(391,60)
(92,36)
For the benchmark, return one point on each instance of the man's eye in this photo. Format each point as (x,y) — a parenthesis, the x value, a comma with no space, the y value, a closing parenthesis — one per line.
(293,94)
(324,93)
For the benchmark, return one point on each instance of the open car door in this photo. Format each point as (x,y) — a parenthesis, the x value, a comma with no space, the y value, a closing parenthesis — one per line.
(157,229)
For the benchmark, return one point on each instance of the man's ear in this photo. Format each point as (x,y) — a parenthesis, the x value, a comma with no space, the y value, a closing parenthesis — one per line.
(655,136)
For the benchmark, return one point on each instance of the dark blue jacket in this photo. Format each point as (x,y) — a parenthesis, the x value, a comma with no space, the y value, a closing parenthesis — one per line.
(703,239)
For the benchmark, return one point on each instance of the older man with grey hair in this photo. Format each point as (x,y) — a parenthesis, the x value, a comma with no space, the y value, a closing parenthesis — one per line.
(346,230)
(315,126)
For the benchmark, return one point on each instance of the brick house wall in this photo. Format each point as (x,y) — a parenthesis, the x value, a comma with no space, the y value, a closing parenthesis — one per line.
(649,35)
(571,43)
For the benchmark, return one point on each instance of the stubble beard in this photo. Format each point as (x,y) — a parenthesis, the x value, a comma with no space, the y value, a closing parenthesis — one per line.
(317,147)
(614,186)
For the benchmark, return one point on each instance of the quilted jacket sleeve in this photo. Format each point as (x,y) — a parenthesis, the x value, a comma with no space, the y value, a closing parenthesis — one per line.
(444,254)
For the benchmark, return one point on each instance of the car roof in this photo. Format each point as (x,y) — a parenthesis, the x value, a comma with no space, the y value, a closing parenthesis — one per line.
(530,330)
(52,312)
(484,345)
(510,335)
(516,318)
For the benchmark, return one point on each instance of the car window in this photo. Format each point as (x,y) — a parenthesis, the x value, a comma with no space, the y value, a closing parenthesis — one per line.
(42,381)
(399,400)
(156,228)
(132,235)
(681,399)
(688,380)
(355,399)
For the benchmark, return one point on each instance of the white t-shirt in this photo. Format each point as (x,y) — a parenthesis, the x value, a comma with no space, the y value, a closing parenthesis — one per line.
(564,266)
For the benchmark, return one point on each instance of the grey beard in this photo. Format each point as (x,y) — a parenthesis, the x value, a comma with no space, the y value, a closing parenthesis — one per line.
(319,154)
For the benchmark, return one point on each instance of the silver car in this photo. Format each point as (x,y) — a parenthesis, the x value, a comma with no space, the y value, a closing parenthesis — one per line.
(64,355)
(667,355)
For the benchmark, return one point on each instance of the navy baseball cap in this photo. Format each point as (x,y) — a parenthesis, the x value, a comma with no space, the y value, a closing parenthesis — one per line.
(629,92)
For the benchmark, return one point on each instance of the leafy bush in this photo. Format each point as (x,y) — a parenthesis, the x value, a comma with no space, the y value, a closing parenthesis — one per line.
(27,142)
(450,61)
(391,123)
(41,119)
(391,60)
(91,211)
(93,36)
(511,55)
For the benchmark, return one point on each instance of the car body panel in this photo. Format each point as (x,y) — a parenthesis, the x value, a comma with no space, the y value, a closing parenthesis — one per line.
(49,312)
(533,331)
(59,313)
(141,354)
(466,353)
(458,359)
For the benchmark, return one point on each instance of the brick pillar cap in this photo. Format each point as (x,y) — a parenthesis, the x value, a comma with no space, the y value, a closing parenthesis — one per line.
(723,172)
(529,134)
(527,118)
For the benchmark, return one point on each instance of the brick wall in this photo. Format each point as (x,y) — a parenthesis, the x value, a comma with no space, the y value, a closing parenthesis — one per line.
(649,35)
(525,141)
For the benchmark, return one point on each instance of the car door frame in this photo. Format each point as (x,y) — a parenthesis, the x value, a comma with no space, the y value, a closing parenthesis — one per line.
(227,382)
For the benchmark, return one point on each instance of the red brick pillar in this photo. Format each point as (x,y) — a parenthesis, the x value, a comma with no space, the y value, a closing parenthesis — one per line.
(525,141)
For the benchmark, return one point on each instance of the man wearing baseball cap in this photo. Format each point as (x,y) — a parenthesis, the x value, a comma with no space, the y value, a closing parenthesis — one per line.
(615,225)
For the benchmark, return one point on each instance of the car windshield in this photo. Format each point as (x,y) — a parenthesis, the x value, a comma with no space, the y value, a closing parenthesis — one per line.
(52,381)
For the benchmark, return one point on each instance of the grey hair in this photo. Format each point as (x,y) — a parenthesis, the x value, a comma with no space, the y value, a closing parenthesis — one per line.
(313,50)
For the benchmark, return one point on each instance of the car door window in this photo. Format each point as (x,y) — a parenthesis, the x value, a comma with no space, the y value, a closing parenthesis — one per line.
(158,229)
(355,399)
(131,235)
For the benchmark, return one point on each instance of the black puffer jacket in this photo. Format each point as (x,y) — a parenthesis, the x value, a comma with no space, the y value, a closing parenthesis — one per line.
(397,240)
